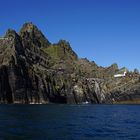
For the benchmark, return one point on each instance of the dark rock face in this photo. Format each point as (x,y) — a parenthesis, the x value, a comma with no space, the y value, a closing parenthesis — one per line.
(32,70)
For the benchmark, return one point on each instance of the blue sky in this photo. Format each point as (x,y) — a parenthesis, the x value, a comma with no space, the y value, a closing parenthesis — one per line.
(104,31)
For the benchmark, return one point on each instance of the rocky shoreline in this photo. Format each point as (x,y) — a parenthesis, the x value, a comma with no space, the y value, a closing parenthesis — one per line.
(33,70)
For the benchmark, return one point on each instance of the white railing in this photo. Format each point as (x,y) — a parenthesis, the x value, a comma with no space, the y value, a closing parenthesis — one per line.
(5,38)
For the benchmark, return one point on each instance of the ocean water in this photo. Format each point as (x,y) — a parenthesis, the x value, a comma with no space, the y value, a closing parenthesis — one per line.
(69,122)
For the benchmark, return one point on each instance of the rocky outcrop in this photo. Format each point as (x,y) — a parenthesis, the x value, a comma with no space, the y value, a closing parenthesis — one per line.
(33,70)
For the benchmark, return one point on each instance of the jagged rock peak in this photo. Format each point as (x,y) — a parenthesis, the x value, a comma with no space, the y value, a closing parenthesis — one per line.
(63,43)
(11,34)
(28,27)
(15,39)
(114,66)
(67,47)
(29,31)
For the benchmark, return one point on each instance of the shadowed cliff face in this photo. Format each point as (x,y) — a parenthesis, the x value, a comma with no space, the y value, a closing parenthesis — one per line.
(32,70)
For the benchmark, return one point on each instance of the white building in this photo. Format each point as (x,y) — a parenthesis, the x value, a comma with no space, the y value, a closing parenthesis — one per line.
(121,73)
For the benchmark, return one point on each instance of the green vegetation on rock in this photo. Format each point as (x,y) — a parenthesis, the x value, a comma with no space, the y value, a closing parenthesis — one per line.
(33,70)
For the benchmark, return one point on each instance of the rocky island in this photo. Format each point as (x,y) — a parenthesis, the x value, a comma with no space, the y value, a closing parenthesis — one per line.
(33,70)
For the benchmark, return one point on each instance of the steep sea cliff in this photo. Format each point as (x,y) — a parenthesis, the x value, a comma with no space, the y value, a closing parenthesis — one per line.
(33,70)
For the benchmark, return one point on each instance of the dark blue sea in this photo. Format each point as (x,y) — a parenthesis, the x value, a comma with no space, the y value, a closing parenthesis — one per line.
(69,122)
